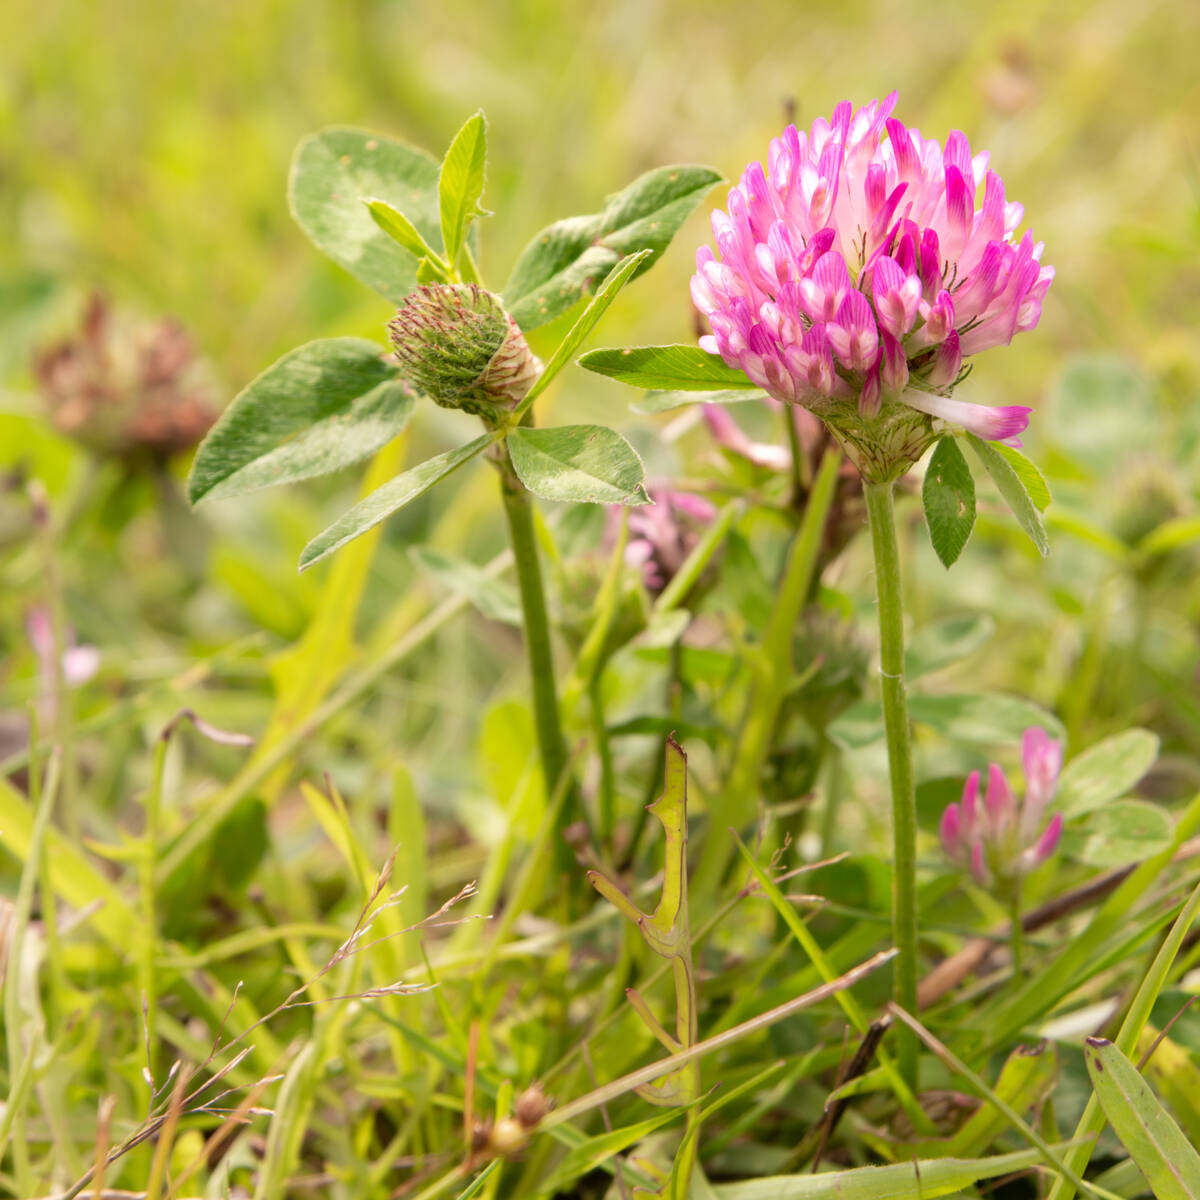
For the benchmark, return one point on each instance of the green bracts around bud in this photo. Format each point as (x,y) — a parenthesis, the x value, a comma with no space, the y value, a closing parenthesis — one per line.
(458,345)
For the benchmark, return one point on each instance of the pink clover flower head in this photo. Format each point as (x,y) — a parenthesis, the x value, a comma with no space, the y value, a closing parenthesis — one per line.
(1001,839)
(663,533)
(858,273)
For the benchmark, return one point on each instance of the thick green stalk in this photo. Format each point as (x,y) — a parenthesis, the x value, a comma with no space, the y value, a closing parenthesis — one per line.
(882,518)
(736,803)
(519,511)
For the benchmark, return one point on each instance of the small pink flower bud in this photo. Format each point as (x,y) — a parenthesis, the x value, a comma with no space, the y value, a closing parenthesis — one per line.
(870,399)
(896,296)
(822,292)
(939,322)
(894,366)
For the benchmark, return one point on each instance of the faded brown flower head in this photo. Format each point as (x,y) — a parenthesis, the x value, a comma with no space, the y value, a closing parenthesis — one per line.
(532,1106)
(126,389)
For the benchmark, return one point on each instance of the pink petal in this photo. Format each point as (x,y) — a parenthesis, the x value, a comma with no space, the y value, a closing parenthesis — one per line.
(950,830)
(993,424)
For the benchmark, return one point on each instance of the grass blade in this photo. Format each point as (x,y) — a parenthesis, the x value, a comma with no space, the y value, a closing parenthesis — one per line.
(1164,1156)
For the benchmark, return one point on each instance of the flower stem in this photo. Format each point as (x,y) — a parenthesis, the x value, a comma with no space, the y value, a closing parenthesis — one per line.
(882,518)
(519,511)
(1016,932)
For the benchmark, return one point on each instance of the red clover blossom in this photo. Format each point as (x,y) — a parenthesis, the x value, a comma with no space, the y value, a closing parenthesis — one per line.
(856,274)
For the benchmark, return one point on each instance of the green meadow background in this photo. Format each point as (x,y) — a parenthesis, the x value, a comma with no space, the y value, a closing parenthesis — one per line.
(144,151)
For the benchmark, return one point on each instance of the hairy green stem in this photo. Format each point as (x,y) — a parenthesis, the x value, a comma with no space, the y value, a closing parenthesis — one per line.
(735,804)
(518,509)
(882,518)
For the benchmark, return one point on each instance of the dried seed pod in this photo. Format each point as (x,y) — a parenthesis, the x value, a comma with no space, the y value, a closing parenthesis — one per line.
(508,1137)
(532,1106)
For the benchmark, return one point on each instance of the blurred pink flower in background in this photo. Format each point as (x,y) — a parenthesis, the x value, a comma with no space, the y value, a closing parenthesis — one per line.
(1001,838)
(732,437)
(857,270)
(79,663)
(662,534)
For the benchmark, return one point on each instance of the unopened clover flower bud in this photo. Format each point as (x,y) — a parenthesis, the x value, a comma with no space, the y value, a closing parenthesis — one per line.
(1001,840)
(458,345)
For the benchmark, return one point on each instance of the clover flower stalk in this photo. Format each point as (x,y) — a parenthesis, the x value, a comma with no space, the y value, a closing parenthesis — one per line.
(1000,840)
(856,276)
(461,348)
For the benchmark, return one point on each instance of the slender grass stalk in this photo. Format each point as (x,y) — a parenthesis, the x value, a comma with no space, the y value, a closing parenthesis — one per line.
(667,931)
(23,1037)
(666,1066)
(518,509)
(735,804)
(60,697)
(1064,1171)
(148,895)
(881,516)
